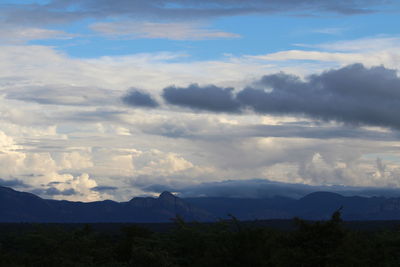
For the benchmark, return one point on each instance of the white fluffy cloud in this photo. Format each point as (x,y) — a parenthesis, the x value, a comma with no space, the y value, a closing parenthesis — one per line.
(42,170)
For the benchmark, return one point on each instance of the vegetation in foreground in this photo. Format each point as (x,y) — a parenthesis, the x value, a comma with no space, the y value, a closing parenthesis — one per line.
(228,243)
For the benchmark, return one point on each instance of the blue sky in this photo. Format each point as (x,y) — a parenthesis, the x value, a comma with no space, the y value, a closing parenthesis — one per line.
(256,34)
(135,95)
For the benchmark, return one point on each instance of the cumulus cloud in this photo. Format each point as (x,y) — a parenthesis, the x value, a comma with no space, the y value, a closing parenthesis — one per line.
(211,98)
(157,163)
(138,98)
(75,188)
(46,173)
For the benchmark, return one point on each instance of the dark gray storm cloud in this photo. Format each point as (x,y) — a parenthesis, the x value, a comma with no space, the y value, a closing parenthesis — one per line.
(61,11)
(138,98)
(353,94)
(104,188)
(210,98)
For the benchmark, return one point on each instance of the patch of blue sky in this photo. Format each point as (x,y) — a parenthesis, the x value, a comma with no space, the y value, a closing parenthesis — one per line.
(97,46)
(25,2)
(384,156)
(259,35)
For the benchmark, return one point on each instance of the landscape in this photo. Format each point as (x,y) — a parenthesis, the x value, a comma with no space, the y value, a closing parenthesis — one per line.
(199,133)
(169,231)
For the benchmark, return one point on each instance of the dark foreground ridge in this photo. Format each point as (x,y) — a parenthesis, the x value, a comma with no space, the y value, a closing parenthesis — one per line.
(26,207)
(224,243)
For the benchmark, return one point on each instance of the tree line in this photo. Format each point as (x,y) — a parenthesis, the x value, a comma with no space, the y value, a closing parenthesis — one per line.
(226,243)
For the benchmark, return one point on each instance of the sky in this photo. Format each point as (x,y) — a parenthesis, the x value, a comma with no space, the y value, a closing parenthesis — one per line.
(106,99)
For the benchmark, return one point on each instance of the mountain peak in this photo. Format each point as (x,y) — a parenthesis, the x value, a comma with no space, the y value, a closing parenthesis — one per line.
(166,196)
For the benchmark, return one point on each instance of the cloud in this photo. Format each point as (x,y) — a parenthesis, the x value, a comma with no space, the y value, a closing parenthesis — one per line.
(104,188)
(192,8)
(77,188)
(46,172)
(312,55)
(234,145)
(353,94)
(369,44)
(215,130)
(12,183)
(157,163)
(52,191)
(329,31)
(370,51)
(137,98)
(153,30)
(210,98)
(19,72)
(35,16)
(13,34)
(63,95)
(315,131)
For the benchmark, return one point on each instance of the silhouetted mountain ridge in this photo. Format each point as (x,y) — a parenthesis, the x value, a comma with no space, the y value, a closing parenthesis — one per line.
(26,207)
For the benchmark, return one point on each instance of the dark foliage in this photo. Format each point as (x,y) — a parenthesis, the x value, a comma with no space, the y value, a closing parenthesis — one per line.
(227,243)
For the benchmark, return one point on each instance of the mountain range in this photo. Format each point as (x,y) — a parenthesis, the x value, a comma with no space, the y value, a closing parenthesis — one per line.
(18,206)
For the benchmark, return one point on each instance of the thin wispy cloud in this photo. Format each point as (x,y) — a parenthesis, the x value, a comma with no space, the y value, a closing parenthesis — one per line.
(20,35)
(152,30)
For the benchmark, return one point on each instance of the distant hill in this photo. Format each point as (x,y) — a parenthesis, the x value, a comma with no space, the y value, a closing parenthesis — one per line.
(26,207)
(314,206)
